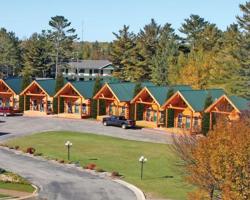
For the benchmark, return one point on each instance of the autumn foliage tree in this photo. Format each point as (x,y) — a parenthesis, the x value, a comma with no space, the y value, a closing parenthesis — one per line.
(218,165)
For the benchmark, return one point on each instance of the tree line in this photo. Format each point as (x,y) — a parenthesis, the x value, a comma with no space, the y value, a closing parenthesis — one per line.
(203,56)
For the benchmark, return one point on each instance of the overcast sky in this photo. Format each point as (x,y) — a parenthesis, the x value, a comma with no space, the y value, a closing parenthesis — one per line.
(102,17)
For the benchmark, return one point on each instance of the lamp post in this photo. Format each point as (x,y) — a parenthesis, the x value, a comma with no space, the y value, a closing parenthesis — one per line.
(142,160)
(68,144)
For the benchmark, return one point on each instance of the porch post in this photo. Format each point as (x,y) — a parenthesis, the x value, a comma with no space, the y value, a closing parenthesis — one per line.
(98,107)
(166,117)
(81,106)
(46,104)
(135,112)
(157,119)
(210,121)
(24,103)
(191,125)
(117,109)
(58,104)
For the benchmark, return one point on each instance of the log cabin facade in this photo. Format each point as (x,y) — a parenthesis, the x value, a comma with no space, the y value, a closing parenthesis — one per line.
(188,107)
(40,96)
(76,99)
(9,92)
(230,107)
(117,97)
(152,98)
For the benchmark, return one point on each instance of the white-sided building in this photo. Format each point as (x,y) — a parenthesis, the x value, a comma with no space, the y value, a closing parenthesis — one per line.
(85,70)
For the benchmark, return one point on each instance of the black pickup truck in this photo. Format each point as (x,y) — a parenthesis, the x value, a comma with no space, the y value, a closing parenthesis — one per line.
(120,121)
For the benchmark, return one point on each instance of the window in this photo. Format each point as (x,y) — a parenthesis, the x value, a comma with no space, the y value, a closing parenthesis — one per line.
(111,71)
(82,71)
(66,71)
(90,71)
(81,79)
(101,72)
(111,109)
(76,71)
(148,114)
(162,117)
(123,110)
(84,108)
(69,104)
(195,122)
(188,122)
(76,108)
(179,125)
(96,71)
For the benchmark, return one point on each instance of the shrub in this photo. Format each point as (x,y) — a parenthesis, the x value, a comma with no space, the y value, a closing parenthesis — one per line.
(30,150)
(61,161)
(115,174)
(99,170)
(17,147)
(90,166)
(38,154)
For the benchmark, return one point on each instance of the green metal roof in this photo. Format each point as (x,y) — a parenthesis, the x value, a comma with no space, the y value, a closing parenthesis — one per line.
(196,98)
(125,90)
(240,103)
(49,86)
(85,88)
(160,92)
(15,84)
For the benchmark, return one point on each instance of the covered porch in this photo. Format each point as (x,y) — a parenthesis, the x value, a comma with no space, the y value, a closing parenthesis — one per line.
(40,103)
(185,119)
(147,111)
(8,98)
(229,107)
(109,104)
(71,104)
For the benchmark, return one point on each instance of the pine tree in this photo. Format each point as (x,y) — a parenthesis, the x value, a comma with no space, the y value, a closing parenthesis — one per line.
(62,37)
(10,53)
(206,116)
(170,111)
(122,54)
(26,80)
(59,85)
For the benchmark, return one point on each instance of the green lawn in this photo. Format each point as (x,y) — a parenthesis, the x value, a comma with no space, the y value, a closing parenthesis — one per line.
(162,175)
(17,187)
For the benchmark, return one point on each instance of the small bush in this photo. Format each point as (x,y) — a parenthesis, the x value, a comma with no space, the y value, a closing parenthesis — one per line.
(99,170)
(38,154)
(115,174)
(30,150)
(90,166)
(17,147)
(61,161)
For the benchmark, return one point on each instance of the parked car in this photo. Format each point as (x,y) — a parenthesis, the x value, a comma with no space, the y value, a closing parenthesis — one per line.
(120,121)
(6,111)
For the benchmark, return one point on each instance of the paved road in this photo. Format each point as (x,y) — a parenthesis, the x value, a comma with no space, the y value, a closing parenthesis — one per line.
(19,125)
(58,182)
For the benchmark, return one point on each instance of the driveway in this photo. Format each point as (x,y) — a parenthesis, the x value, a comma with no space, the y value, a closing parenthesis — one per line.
(19,125)
(57,182)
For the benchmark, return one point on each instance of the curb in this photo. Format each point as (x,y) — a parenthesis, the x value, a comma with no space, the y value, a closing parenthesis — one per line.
(138,193)
(34,194)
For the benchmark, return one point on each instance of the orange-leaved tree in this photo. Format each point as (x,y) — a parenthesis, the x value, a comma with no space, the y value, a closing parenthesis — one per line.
(219,164)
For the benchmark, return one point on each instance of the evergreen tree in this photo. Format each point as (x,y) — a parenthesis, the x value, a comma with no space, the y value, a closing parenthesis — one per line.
(26,80)
(62,37)
(122,53)
(59,85)
(206,116)
(165,57)
(244,22)
(170,111)
(192,28)
(146,45)
(37,54)
(10,53)
(97,87)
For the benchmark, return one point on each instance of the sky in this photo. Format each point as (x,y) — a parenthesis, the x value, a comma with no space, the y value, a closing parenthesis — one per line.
(99,18)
